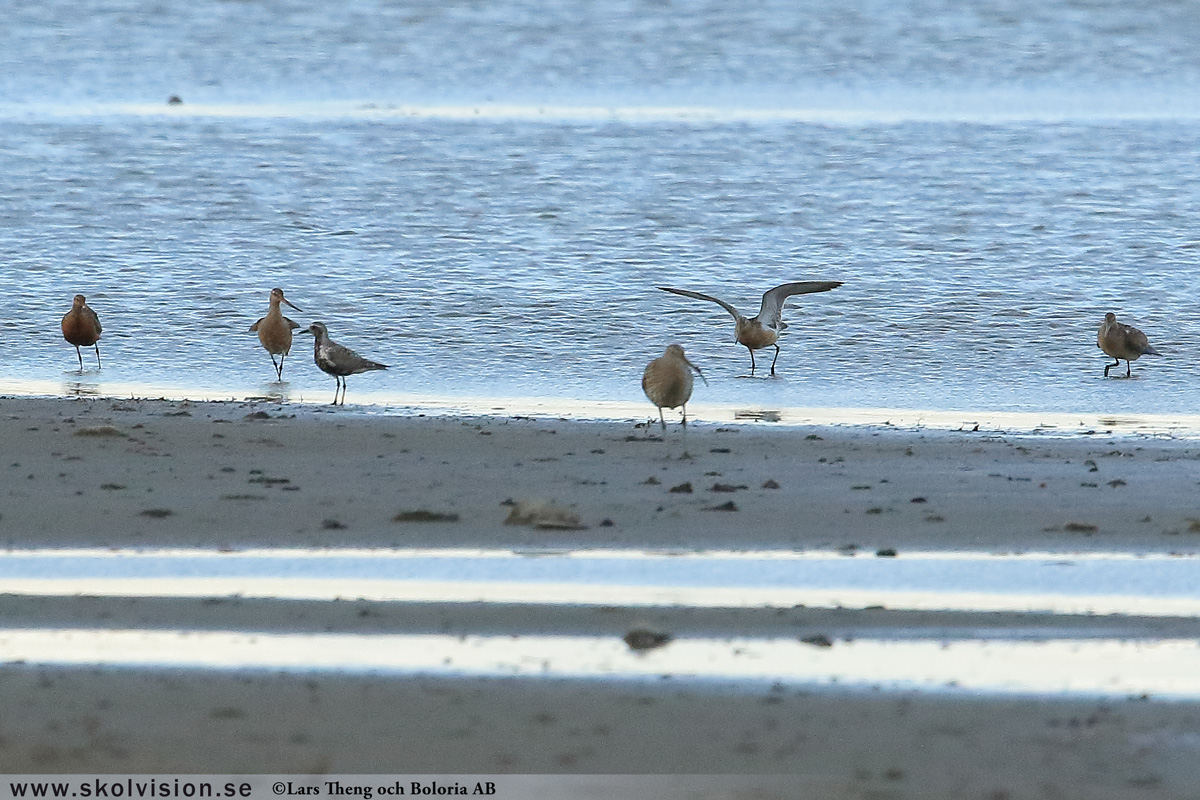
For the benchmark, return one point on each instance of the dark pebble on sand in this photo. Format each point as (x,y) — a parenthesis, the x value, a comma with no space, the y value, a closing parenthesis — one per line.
(820,640)
(644,639)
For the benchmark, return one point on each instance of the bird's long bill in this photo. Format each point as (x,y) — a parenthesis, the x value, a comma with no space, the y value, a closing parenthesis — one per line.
(698,372)
(293,305)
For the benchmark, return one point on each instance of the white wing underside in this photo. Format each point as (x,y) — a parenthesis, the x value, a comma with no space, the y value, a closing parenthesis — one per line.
(733,312)
(770,315)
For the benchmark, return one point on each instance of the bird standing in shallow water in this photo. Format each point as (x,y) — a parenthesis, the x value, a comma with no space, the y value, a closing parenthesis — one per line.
(763,330)
(275,331)
(667,381)
(336,360)
(81,327)
(1122,341)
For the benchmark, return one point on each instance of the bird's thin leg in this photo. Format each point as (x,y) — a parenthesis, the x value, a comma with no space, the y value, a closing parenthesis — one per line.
(776,358)
(336,386)
(97,355)
(1107,367)
(279,372)
(684,410)
(275,364)
(661,421)
(80,355)
(751,359)
(1128,368)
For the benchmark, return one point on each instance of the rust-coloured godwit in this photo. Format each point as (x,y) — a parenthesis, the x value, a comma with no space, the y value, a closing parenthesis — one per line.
(336,360)
(1122,341)
(667,381)
(275,331)
(763,330)
(81,327)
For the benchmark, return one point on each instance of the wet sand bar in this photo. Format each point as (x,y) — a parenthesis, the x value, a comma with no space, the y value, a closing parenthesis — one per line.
(112,473)
(233,476)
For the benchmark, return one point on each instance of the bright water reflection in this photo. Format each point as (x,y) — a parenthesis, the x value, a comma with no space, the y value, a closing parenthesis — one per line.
(1095,583)
(1169,668)
(387,402)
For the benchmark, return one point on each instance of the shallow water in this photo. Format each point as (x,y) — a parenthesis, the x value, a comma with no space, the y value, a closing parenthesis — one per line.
(485,196)
(1063,667)
(1116,651)
(1044,583)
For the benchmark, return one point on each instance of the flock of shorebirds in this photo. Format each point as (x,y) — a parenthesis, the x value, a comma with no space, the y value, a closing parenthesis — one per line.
(667,380)
(81,327)
(275,335)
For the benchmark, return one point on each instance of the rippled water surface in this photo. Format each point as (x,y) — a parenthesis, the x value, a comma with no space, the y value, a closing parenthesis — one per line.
(484,195)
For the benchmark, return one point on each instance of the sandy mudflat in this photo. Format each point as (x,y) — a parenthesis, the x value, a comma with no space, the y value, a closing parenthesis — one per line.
(104,473)
(85,473)
(849,745)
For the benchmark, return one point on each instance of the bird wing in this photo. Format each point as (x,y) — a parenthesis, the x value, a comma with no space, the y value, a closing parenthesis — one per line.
(733,311)
(333,358)
(290,324)
(1138,340)
(254,327)
(347,362)
(773,300)
(365,364)
(96,320)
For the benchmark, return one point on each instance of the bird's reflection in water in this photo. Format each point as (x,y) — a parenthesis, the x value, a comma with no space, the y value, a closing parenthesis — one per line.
(81,388)
(760,414)
(273,391)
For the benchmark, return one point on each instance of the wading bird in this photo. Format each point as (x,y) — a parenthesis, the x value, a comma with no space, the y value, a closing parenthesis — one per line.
(763,330)
(336,360)
(1122,341)
(667,381)
(81,327)
(275,331)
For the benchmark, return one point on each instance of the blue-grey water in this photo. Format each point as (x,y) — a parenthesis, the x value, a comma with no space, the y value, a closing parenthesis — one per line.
(485,194)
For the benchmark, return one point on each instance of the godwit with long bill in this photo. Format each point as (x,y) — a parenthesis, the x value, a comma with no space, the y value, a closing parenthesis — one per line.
(81,327)
(667,381)
(275,331)
(755,333)
(1122,342)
